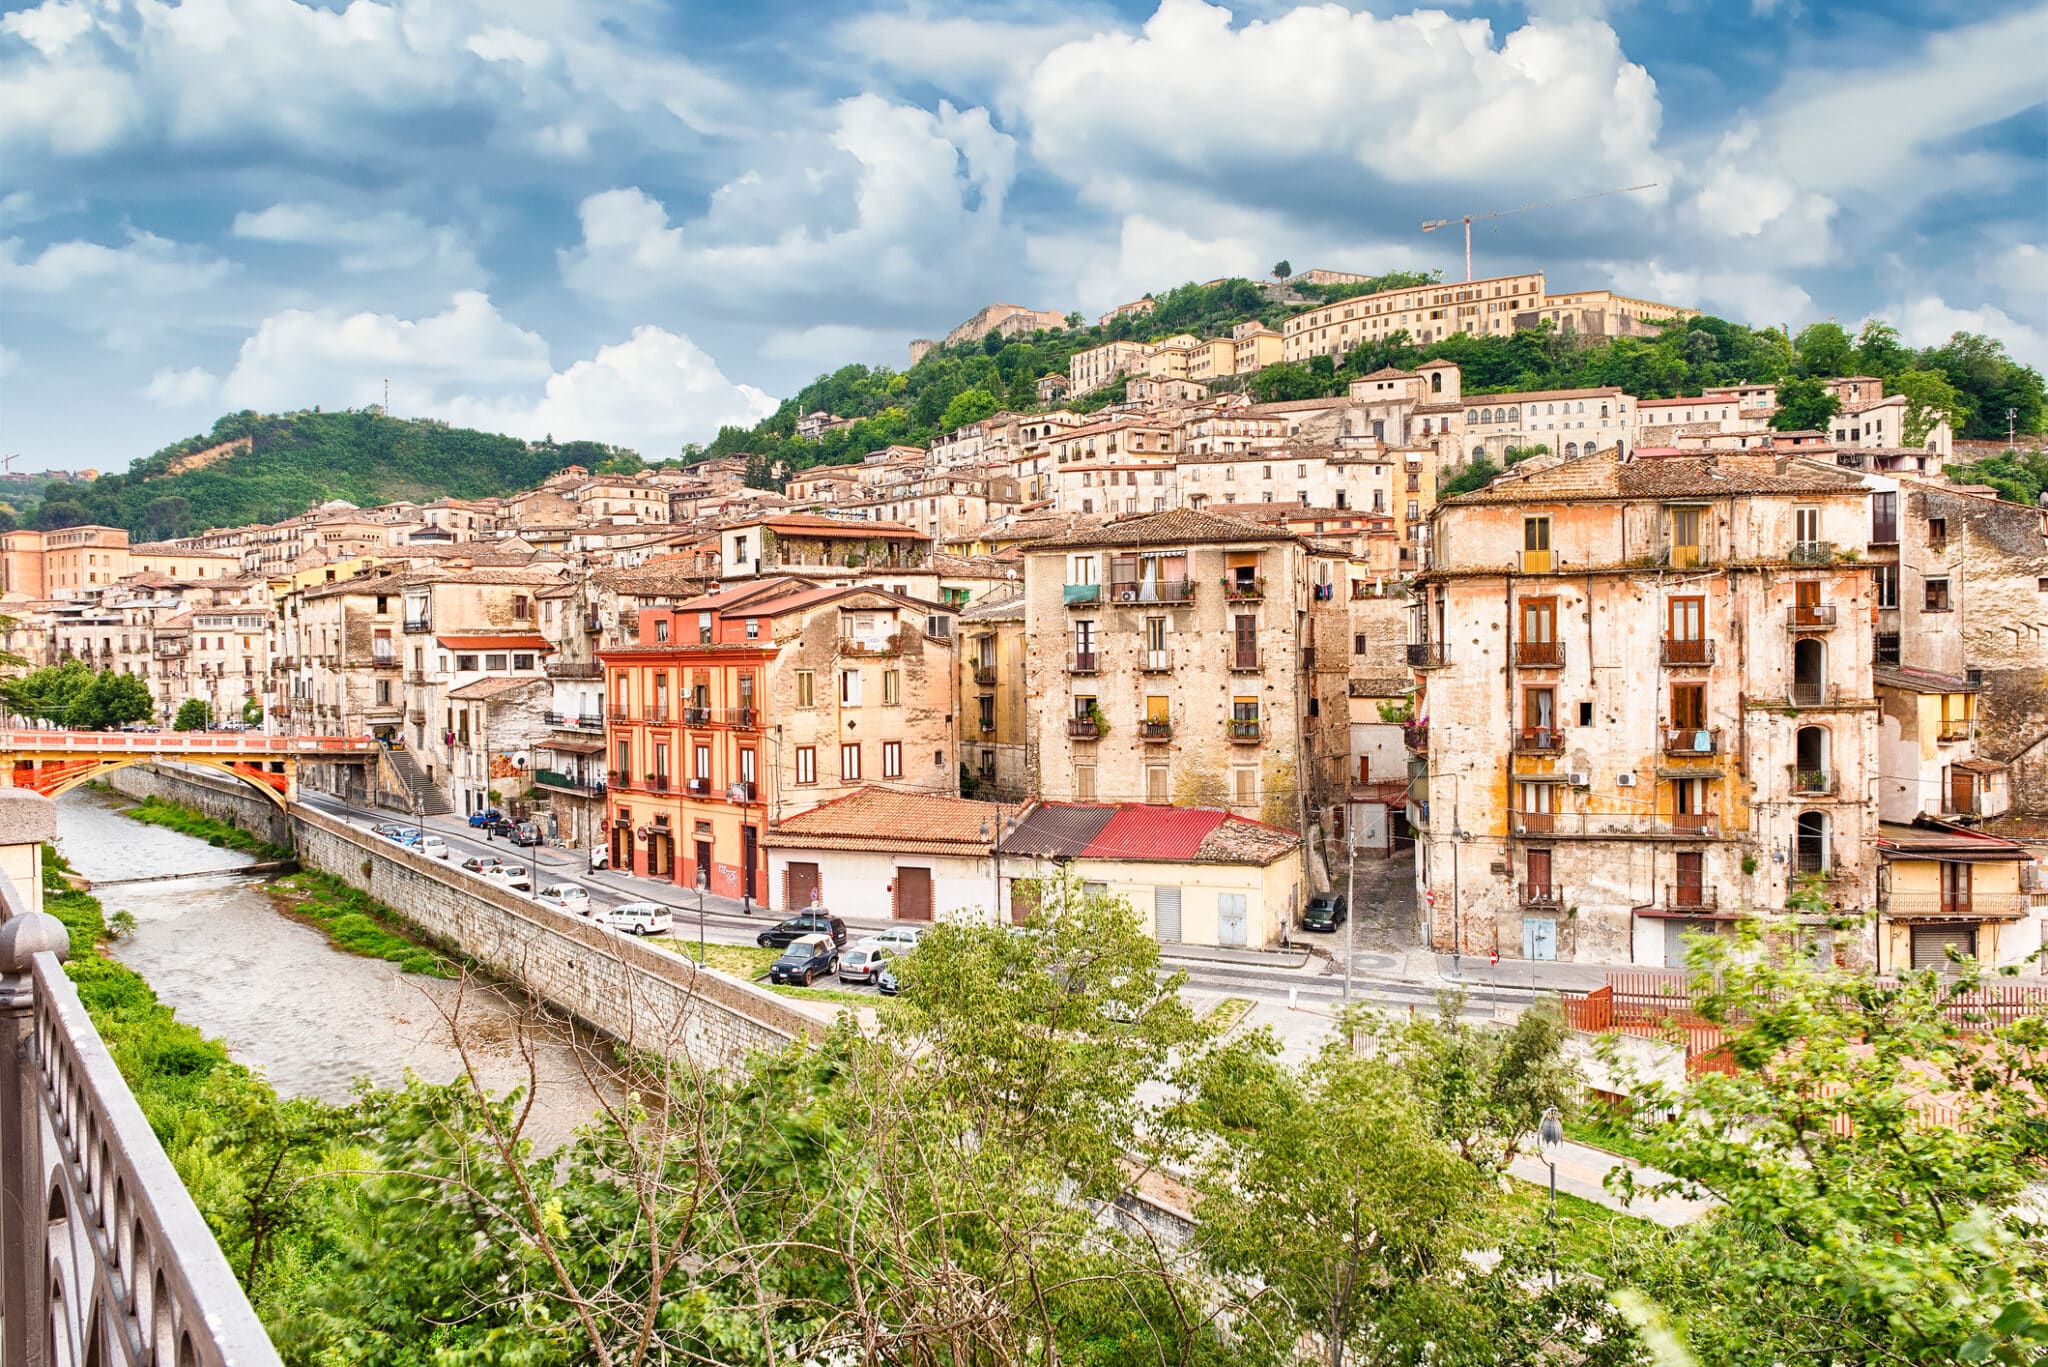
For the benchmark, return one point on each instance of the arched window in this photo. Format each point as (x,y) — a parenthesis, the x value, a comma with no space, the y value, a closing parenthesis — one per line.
(1811,849)
(1571,448)
(1514,415)
(1582,405)
(1479,453)
(1436,382)
(1472,416)
(1810,765)
(1809,671)
(1552,408)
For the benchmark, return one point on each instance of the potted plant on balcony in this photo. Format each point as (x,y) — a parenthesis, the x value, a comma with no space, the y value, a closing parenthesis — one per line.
(1101,722)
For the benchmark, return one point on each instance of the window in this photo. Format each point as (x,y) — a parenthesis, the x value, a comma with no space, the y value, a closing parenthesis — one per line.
(849,763)
(522,608)
(1535,544)
(383,692)
(1806,526)
(1685,537)
(806,689)
(807,764)
(1886,579)
(703,628)
(1156,790)
(1539,711)
(702,760)
(849,688)
(1937,595)
(892,687)
(1084,783)
(1358,643)
(522,662)
(1688,707)
(495,662)
(465,664)
(892,759)
(1937,532)
(753,629)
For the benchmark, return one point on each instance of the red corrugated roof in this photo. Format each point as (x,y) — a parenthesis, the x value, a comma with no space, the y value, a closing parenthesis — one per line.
(1136,832)
(533,642)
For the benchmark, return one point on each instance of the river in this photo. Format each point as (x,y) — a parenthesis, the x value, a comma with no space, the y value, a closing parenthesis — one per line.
(310,1017)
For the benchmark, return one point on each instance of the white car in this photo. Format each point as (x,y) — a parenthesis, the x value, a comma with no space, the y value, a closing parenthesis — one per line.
(899,939)
(863,960)
(513,876)
(564,897)
(433,846)
(638,918)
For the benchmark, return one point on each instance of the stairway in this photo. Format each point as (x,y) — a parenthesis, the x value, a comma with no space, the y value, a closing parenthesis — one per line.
(408,771)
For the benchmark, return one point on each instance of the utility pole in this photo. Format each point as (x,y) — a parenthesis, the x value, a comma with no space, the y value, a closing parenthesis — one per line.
(2012,439)
(1350,896)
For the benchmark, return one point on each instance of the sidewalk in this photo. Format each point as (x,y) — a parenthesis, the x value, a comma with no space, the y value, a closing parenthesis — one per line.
(1295,957)
(1582,1170)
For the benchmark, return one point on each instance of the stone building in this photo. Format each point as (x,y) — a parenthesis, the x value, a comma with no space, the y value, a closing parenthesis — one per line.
(733,710)
(1190,659)
(497,726)
(1646,704)
(994,721)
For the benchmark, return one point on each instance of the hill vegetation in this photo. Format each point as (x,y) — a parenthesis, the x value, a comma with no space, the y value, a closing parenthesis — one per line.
(297,461)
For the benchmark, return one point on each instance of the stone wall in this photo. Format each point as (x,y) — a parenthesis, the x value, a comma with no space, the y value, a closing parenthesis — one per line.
(218,796)
(647,997)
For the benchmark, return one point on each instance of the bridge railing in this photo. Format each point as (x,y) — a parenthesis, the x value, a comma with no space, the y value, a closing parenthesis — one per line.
(103,1256)
(186,742)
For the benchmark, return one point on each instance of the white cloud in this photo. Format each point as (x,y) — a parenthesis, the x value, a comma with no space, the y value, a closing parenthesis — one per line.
(1758,298)
(1928,320)
(898,198)
(1418,98)
(1147,255)
(975,56)
(470,364)
(1744,193)
(2020,275)
(387,241)
(127,295)
(10,362)
(829,344)
(171,388)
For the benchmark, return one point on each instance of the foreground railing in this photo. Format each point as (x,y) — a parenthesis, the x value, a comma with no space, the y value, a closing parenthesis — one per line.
(103,1256)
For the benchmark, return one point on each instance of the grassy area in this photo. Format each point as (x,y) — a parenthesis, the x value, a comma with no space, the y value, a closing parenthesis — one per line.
(1603,1127)
(1587,1232)
(176,816)
(357,922)
(1224,1015)
(751,962)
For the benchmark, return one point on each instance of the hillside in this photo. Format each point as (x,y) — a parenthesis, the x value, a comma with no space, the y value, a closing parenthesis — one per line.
(254,467)
(1969,378)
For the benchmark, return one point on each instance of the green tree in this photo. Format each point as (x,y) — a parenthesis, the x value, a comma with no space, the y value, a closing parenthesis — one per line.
(1930,399)
(1992,383)
(55,694)
(2019,477)
(1282,271)
(1824,351)
(1485,1088)
(252,711)
(194,714)
(114,700)
(1477,474)
(1880,352)
(166,518)
(1804,404)
(968,406)
(54,514)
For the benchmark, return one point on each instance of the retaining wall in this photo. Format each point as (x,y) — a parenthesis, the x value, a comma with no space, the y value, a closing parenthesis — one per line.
(646,997)
(217,795)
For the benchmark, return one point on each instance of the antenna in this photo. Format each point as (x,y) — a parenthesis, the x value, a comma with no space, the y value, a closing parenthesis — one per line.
(387,397)
(1433,224)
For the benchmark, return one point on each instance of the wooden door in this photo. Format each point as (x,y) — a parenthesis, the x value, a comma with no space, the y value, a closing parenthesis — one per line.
(1539,874)
(913,894)
(1690,884)
(1247,639)
(750,857)
(800,885)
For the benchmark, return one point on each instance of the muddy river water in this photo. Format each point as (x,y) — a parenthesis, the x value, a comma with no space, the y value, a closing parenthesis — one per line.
(310,1017)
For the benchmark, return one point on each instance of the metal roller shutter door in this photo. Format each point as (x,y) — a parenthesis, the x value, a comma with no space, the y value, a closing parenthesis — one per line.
(1166,914)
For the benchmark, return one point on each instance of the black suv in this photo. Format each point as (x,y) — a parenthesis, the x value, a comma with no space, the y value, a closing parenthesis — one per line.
(809,923)
(1324,912)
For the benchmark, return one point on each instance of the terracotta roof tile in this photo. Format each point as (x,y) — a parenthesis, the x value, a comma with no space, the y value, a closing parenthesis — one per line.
(1178,526)
(482,690)
(886,818)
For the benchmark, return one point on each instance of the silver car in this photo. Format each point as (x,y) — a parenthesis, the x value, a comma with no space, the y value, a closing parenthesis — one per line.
(864,960)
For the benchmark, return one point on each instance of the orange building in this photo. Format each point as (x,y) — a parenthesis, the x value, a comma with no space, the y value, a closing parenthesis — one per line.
(736,709)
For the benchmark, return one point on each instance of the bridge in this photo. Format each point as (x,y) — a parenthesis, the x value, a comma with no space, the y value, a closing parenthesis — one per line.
(52,763)
(104,1258)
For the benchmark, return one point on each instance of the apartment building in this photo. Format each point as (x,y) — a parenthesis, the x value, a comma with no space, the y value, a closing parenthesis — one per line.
(818,546)
(1116,487)
(995,722)
(1089,370)
(735,709)
(1173,658)
(71,562)
(1427,313)
(497,726)
(227,656)
(335,663)
(1645,705)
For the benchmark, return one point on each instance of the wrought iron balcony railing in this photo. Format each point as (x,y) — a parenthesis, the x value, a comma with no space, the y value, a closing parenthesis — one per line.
(1685,651)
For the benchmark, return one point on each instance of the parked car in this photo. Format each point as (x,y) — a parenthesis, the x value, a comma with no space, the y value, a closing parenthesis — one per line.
(863,961)
(483,863)
(432,846)
(525,833)
(387,829)
(1325,911)
(805,958)
(569,897)
(639,918)
(900,938)
(886,981)
(809,923)
(489,816)
(514,876)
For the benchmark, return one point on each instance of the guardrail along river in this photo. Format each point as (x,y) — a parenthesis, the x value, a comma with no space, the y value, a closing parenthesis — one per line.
(309,1016)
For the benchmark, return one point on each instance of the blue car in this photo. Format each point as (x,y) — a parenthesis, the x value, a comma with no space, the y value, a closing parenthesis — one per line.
(489,817)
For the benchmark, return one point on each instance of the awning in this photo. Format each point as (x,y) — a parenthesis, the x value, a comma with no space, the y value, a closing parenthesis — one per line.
(574,747)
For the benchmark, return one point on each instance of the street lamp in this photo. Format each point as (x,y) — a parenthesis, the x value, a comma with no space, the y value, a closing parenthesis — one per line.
(1549,1142)
(702,880)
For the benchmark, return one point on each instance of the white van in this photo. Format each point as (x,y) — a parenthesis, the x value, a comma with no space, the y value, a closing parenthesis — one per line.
(638,918)
(568,897)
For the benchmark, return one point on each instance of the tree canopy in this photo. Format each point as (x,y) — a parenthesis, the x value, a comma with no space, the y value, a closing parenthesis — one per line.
(76,696)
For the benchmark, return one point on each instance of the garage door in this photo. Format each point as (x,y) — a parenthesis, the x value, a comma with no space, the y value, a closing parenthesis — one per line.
(913,894)
(1932,943)
(799,886)
(1166,914)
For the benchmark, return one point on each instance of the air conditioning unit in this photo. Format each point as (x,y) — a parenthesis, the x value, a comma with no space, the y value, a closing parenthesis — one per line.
(1624,780)
(1577,779)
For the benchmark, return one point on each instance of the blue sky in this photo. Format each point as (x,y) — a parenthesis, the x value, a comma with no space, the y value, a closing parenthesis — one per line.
(633,221)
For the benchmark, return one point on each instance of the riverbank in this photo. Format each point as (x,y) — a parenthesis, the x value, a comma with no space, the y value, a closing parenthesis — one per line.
(188,820)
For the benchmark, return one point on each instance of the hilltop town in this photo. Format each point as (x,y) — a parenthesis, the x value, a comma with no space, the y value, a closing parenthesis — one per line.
(1560,674)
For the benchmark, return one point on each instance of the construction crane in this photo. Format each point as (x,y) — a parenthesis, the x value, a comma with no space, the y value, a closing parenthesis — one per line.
(1436,223)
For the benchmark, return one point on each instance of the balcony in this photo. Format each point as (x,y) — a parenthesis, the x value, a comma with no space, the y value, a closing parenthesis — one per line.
(1146,592)
(1243,589)
(1083,728)
(1810,617)
(1692,742)
(658,714)
(1812,782)
(1953,732)
(1539,654)
(551,778)
(1081,595)
(1155,662)
(383,659)
(1811,552)
(1426,655)
(1415,735)
(740,718)
(1694,823)
(1536,562)
(618,716)
(985,676)
(615,779)
(573,669)
(695,787)
(858,648)
(1244,730)
(1539,740)
(1535,823)
(1685,557)
(415,626)
(1687,652)
(416,677)
(1084,662)
(1244,661)
(1542,894)
(1690,897)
